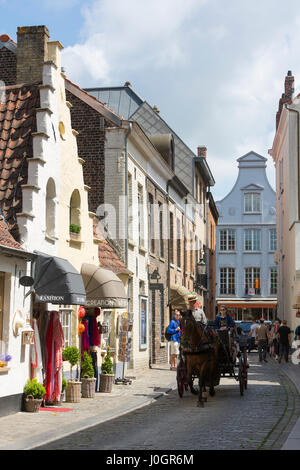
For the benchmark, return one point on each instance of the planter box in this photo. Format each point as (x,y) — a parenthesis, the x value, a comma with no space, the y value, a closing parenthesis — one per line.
(88,387)
(73,392)
(74,236)
(106,382)
(32,405)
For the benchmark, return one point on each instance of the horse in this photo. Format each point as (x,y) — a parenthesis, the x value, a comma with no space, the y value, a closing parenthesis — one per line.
(200,348)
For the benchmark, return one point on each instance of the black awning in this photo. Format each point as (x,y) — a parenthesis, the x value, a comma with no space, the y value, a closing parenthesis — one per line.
(56,281)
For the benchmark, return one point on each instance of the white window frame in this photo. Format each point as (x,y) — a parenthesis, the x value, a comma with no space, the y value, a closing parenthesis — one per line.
(252,278)
(252,232)
(66,323)
(272,240)
(252,209)
(274,269)
(229,275)
(226,241)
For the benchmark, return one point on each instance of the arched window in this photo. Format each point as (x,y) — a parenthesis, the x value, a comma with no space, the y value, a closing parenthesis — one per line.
(75,224)
(50,208)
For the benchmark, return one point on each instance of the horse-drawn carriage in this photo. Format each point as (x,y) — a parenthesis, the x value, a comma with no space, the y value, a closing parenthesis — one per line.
(207,355)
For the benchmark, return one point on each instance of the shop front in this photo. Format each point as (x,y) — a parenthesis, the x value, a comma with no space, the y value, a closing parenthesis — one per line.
(107,306)
(250,310)
(56,287)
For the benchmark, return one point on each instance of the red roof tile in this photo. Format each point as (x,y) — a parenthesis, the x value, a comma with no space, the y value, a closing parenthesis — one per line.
(17,122)
(6,238)
(108,256)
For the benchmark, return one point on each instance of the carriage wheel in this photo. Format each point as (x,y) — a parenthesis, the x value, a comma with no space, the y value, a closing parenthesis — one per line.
(245,369)
(241,376)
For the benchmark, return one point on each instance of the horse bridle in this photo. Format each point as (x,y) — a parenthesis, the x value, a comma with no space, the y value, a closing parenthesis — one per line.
(203,346)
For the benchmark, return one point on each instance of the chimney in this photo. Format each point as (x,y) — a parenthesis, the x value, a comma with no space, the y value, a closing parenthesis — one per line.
(202,151)
(287,96)
(31,53)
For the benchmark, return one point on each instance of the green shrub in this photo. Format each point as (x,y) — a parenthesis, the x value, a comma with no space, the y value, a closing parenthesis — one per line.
(75,228)
(87,366)
(34,388)
(107,365)
(64,385)
(72,355)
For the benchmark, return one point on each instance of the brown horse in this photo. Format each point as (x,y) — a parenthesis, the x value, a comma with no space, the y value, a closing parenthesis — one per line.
(200,352)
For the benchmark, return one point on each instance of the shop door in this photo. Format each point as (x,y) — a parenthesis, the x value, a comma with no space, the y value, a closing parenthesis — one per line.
(2,276)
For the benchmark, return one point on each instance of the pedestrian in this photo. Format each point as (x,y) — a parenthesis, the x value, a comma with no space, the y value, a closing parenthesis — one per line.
(196,309)
(223,320)
(261,336)
(174,330)
(284,341)
(252,335)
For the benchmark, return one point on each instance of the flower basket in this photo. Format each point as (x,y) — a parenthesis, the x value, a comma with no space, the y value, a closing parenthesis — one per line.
(31,404)
(88,387)
(106,382)
(73,392)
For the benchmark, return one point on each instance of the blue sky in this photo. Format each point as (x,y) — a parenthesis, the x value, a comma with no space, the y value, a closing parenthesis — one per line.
(214,68)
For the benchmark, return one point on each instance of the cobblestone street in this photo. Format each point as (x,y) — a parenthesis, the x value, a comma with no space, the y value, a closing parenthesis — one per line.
(262,419)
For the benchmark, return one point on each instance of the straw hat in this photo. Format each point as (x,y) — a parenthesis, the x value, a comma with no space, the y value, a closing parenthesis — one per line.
(192,298)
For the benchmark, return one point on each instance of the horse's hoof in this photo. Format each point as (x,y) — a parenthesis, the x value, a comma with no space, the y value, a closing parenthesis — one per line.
(212,393)
(200,404)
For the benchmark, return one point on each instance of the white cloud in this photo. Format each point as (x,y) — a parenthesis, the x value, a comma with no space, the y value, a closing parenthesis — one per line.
(215,69)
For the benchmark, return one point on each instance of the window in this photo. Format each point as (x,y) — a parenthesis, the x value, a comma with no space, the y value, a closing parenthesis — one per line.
(273,240)
(143,322)
(66,323)
(227,281)
(151,224)
(191,253)
(161,231)
(130,208)
(141,216)
(252,280)
(227,240)
(273,280)
(252,202)
(178,243)
(171,238)
(252,240)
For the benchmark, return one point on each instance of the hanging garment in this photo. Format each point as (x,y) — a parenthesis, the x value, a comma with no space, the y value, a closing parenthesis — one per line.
(85,338)
(36,354)
(54,345)
(95,335)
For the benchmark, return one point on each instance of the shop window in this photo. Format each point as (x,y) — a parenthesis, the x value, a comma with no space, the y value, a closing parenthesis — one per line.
(50,208)
(66,323)
(143,322)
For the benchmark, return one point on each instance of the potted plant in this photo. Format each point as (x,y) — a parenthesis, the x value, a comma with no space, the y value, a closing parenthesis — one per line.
(75,231)
(87,377)
(73,392)
(107,374)
(33,395)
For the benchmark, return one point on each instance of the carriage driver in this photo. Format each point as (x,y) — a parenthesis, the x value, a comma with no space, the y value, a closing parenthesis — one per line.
(196,309)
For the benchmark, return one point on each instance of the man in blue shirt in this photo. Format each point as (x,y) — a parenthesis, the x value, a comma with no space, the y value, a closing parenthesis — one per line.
(174,330)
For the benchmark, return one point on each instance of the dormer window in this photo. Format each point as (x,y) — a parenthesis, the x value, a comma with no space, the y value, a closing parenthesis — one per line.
(252,202)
